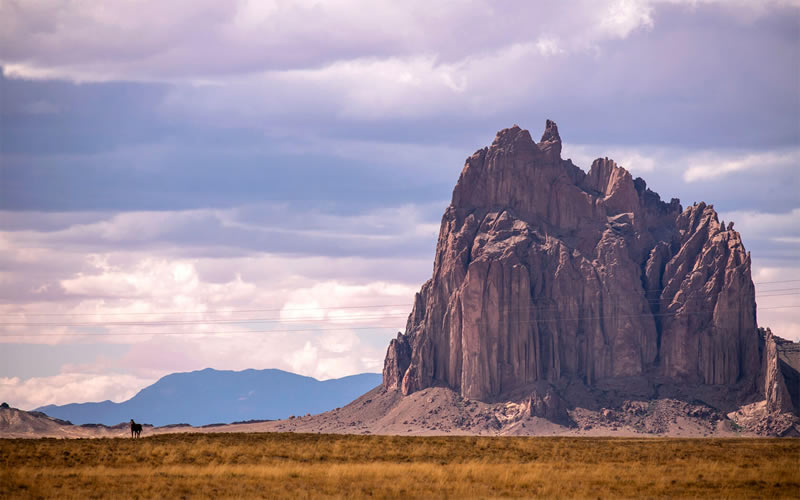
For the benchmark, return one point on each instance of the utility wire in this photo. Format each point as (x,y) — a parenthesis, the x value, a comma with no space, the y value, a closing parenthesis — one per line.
(238,311)
(217,311)
(215,321)
(283,320)
(541,320)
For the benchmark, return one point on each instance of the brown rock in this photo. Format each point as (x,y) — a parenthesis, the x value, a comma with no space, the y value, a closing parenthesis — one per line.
(775,390)
(548,405)
(707,306)
(398,357)
(545,273)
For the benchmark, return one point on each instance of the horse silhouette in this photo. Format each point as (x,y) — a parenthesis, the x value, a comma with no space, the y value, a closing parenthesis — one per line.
(136,429)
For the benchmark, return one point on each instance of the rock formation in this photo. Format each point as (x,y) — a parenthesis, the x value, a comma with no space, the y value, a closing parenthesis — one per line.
(781,372)
(544,274)
(777,394)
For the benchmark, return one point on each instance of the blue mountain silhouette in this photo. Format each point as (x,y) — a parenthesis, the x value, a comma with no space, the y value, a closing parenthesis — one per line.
(221,396)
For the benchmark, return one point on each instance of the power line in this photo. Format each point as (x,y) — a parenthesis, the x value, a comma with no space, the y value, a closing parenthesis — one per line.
(218,311)
(371,306)
(215,321)
(145,334)
(374,327)
(277,320)
(285,320)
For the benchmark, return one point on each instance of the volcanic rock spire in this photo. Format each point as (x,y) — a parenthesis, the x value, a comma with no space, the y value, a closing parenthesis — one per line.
(546,274)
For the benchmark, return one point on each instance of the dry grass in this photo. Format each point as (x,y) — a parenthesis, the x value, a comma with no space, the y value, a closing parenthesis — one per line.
(310,465)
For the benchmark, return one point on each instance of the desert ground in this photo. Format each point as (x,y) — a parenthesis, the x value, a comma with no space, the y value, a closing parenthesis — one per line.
(280,465)
(439,411)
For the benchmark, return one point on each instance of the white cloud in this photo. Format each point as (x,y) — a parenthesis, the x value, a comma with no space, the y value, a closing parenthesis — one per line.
(205,41)
(259,228)
(69,388)
(703,167)
(175,310)
(141,297)
(624,16)
(370,88)
(304,360)
(343,303)
(548,46)
(764,225)
(339,341)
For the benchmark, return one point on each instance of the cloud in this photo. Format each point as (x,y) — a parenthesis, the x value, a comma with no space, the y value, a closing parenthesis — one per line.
(770,226)
(204,41)
(706,167)
(339,341)
(305,359)
(186,314)
(176,310)
(773,238)
(69,388)
(414,86)
(390,89)
(624,16)
(777,296)
(41,107)
(557,75)
(267,227)
(378,302)
(50,41)
(143,288)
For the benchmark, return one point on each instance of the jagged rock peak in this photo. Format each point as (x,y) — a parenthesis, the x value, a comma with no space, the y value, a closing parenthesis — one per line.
(516,138)
(532,180)
(530,243)
(551,141)
(513,141)
(550,132)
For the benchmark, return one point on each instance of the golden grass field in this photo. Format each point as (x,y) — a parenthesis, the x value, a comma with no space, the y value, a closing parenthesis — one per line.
(312,465)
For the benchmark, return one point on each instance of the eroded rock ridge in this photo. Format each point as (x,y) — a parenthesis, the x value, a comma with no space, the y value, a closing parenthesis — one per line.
(546,273)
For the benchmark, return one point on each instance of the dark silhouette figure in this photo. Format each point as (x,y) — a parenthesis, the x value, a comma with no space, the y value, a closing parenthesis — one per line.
(136,429)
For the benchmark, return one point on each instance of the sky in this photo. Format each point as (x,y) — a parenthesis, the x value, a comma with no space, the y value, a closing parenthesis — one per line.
(259,184)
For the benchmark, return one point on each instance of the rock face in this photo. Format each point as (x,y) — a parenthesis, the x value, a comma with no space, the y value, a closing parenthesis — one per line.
(775,390)
(789,364)
(781,373)
(546,273)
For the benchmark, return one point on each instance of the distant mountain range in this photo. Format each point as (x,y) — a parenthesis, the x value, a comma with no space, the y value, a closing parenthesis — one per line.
(221,396)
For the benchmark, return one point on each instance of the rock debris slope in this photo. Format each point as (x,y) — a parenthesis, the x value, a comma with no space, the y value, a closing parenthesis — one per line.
(546,276)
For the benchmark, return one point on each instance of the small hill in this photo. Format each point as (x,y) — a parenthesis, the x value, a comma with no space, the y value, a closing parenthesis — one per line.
(16,423)
(19,423)
(221,396)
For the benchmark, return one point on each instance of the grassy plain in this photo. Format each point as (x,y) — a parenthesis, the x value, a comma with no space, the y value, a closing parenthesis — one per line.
(312,465)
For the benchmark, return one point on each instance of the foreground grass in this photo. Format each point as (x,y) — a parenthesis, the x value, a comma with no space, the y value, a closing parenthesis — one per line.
(310,465)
